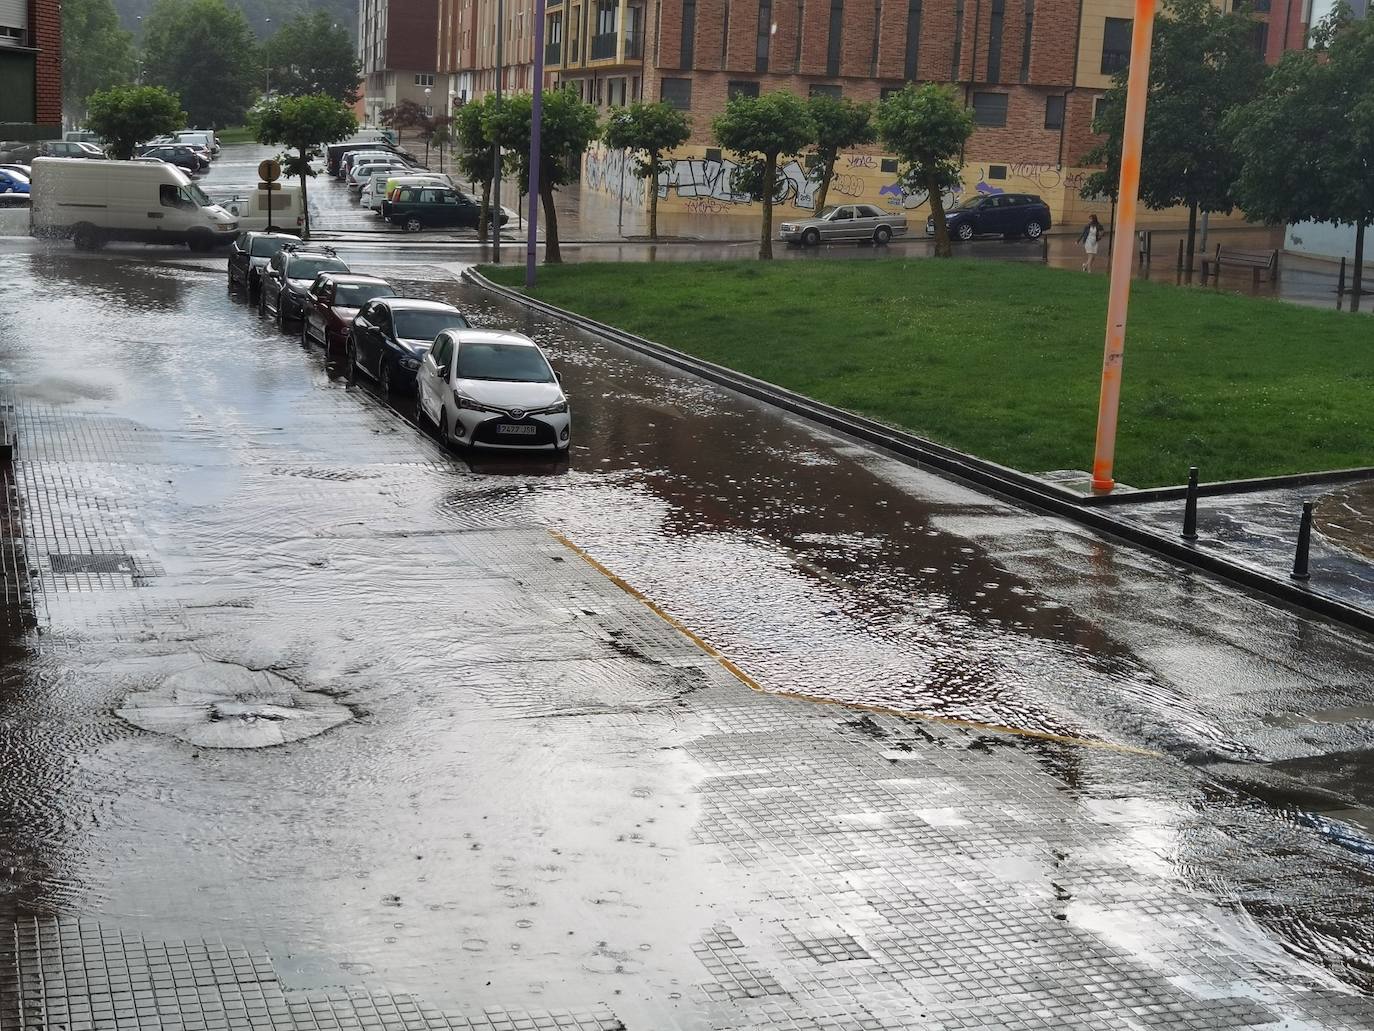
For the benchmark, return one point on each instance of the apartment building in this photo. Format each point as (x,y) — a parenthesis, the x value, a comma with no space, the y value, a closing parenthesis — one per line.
(30,69)
(467,47)
(396,49)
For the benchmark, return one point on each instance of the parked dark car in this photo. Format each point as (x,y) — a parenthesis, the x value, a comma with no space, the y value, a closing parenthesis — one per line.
(288,277)
(334,302)
(391,336)
(334,153)
(183,157)
(418,207)
(1001,214)
(249,257)
(70,149)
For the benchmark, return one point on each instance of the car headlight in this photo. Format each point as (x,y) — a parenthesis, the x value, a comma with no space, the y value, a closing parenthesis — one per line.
(474,406)
(553,409)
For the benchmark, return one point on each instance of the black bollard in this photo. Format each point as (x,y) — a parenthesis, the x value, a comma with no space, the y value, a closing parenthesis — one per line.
(1304,541)
(1340,282)
(1180,256)
(1190,507)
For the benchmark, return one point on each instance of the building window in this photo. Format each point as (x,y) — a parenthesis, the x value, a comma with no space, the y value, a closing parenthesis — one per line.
(832,54)
(1054,112)
(765,36)
(1116,45)
(713,154)
(999,10)
(689,35)
(990,109)
(889,91)
(913,40)
(877,34)
(605,18)
(996,172)
(677,92)
(424,79)
(958,38)
(825,89)
(741,88)
(1026,42)
(1099,109)
(1260,37)
(889,165)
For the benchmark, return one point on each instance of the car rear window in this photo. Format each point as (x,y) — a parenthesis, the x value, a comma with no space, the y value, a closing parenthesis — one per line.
(426,325)
(266,246)
(355,295)
(309,268)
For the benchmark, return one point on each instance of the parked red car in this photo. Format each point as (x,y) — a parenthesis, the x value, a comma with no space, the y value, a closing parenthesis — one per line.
(335,298)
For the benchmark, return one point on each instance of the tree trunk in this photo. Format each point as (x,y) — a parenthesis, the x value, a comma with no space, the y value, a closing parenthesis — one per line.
(1192,238)
(770,166)
(937,212)
(652,182)
(305,200)
(823,190)
(552,255)
(484,216)
(1358,279)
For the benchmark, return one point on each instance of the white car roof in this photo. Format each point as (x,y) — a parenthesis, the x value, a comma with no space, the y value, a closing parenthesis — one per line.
(489,336)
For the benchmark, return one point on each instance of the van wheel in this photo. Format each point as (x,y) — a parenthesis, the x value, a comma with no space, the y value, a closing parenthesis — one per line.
(413,224)
(87,237)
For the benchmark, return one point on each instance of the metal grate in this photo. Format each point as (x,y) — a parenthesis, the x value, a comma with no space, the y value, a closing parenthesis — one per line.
(92,563)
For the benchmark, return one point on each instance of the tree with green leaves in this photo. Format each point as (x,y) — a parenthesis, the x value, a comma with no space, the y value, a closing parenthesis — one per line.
(96,54)
(405,115)
(303,125)
(926,127)
(314,54)
(841,124)
(476,152)
(759,131)
(204,51)
(567,126)
(651,130)
(1305,144)
(125,116)
(1203,64)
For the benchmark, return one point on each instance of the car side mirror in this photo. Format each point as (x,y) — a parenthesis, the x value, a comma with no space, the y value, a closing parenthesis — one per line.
(558,376)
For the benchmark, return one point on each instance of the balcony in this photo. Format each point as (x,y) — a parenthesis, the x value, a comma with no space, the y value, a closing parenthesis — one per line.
(634,44)
(553,54)
(604,46)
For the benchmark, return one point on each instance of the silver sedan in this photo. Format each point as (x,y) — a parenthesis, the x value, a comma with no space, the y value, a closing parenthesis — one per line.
(855,222)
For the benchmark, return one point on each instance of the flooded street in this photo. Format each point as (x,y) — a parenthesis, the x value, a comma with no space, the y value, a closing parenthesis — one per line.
(726,722)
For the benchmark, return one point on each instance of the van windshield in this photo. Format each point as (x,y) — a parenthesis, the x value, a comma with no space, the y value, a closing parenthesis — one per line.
(195,195)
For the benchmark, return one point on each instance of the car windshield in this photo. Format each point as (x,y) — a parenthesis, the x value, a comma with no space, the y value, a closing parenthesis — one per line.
(513,363)
(309,268)
(266,246)
(355,295)
(828,212)
(18,177)
(426,325)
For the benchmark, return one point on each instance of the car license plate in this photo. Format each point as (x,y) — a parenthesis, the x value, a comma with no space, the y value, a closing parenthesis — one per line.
(517,430)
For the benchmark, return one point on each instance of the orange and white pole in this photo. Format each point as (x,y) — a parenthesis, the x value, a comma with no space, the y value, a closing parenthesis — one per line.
(1123,239)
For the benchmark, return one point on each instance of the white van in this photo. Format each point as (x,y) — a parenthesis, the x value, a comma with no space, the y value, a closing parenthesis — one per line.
(383,183)
(146,201)
(251,209)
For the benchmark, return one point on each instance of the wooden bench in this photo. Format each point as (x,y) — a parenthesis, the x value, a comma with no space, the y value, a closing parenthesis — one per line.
(1256,261)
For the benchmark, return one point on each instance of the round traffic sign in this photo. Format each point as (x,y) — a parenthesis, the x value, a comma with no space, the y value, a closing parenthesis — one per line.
(269,171)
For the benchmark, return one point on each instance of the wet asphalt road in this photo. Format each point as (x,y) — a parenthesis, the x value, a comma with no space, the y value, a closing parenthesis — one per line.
(498,792)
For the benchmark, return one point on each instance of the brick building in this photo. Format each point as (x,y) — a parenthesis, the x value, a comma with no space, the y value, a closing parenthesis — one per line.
(467,46)
(30,69)
(397,52)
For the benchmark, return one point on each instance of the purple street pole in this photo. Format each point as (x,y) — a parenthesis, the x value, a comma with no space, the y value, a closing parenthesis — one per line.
(536,120)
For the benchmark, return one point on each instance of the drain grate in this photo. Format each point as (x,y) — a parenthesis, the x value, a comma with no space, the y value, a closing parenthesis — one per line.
(91,563)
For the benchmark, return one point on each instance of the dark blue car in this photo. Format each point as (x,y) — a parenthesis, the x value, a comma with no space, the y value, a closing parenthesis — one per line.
(14,186)
(1001,214)
(391,335)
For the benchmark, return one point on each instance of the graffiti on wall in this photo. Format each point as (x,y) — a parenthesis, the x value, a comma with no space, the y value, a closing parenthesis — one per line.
(699,178)
(610,171)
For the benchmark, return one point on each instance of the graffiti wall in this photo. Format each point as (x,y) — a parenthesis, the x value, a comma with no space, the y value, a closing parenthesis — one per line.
(699,182)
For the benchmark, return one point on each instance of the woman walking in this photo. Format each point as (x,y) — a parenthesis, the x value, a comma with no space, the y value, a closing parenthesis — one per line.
(1092,233)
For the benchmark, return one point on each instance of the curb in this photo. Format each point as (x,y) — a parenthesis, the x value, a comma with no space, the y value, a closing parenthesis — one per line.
(925,454)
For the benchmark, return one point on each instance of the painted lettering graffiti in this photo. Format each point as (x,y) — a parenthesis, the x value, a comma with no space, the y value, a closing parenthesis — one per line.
(860,161)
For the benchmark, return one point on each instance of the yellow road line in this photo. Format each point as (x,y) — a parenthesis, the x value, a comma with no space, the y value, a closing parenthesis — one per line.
(885,710)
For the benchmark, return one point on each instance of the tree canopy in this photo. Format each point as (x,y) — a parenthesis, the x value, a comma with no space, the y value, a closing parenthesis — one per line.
(125,116)
(475,150)
(303,124)
(313,54)
(96,53)
(651,130)
(1203,63)
(568,124)
(926,127)
(760,130)
(204,51)
(840,125)
(1305,144)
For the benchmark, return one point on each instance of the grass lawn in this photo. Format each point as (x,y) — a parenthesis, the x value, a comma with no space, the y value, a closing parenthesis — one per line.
(236,134)
(1003,360)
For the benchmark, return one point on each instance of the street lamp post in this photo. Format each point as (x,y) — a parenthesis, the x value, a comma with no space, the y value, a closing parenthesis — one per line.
(267,69)
(536,125)
(495,216)
(429,113)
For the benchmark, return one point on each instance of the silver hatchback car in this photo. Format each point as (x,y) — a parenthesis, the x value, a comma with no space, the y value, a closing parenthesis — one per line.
(853,222)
